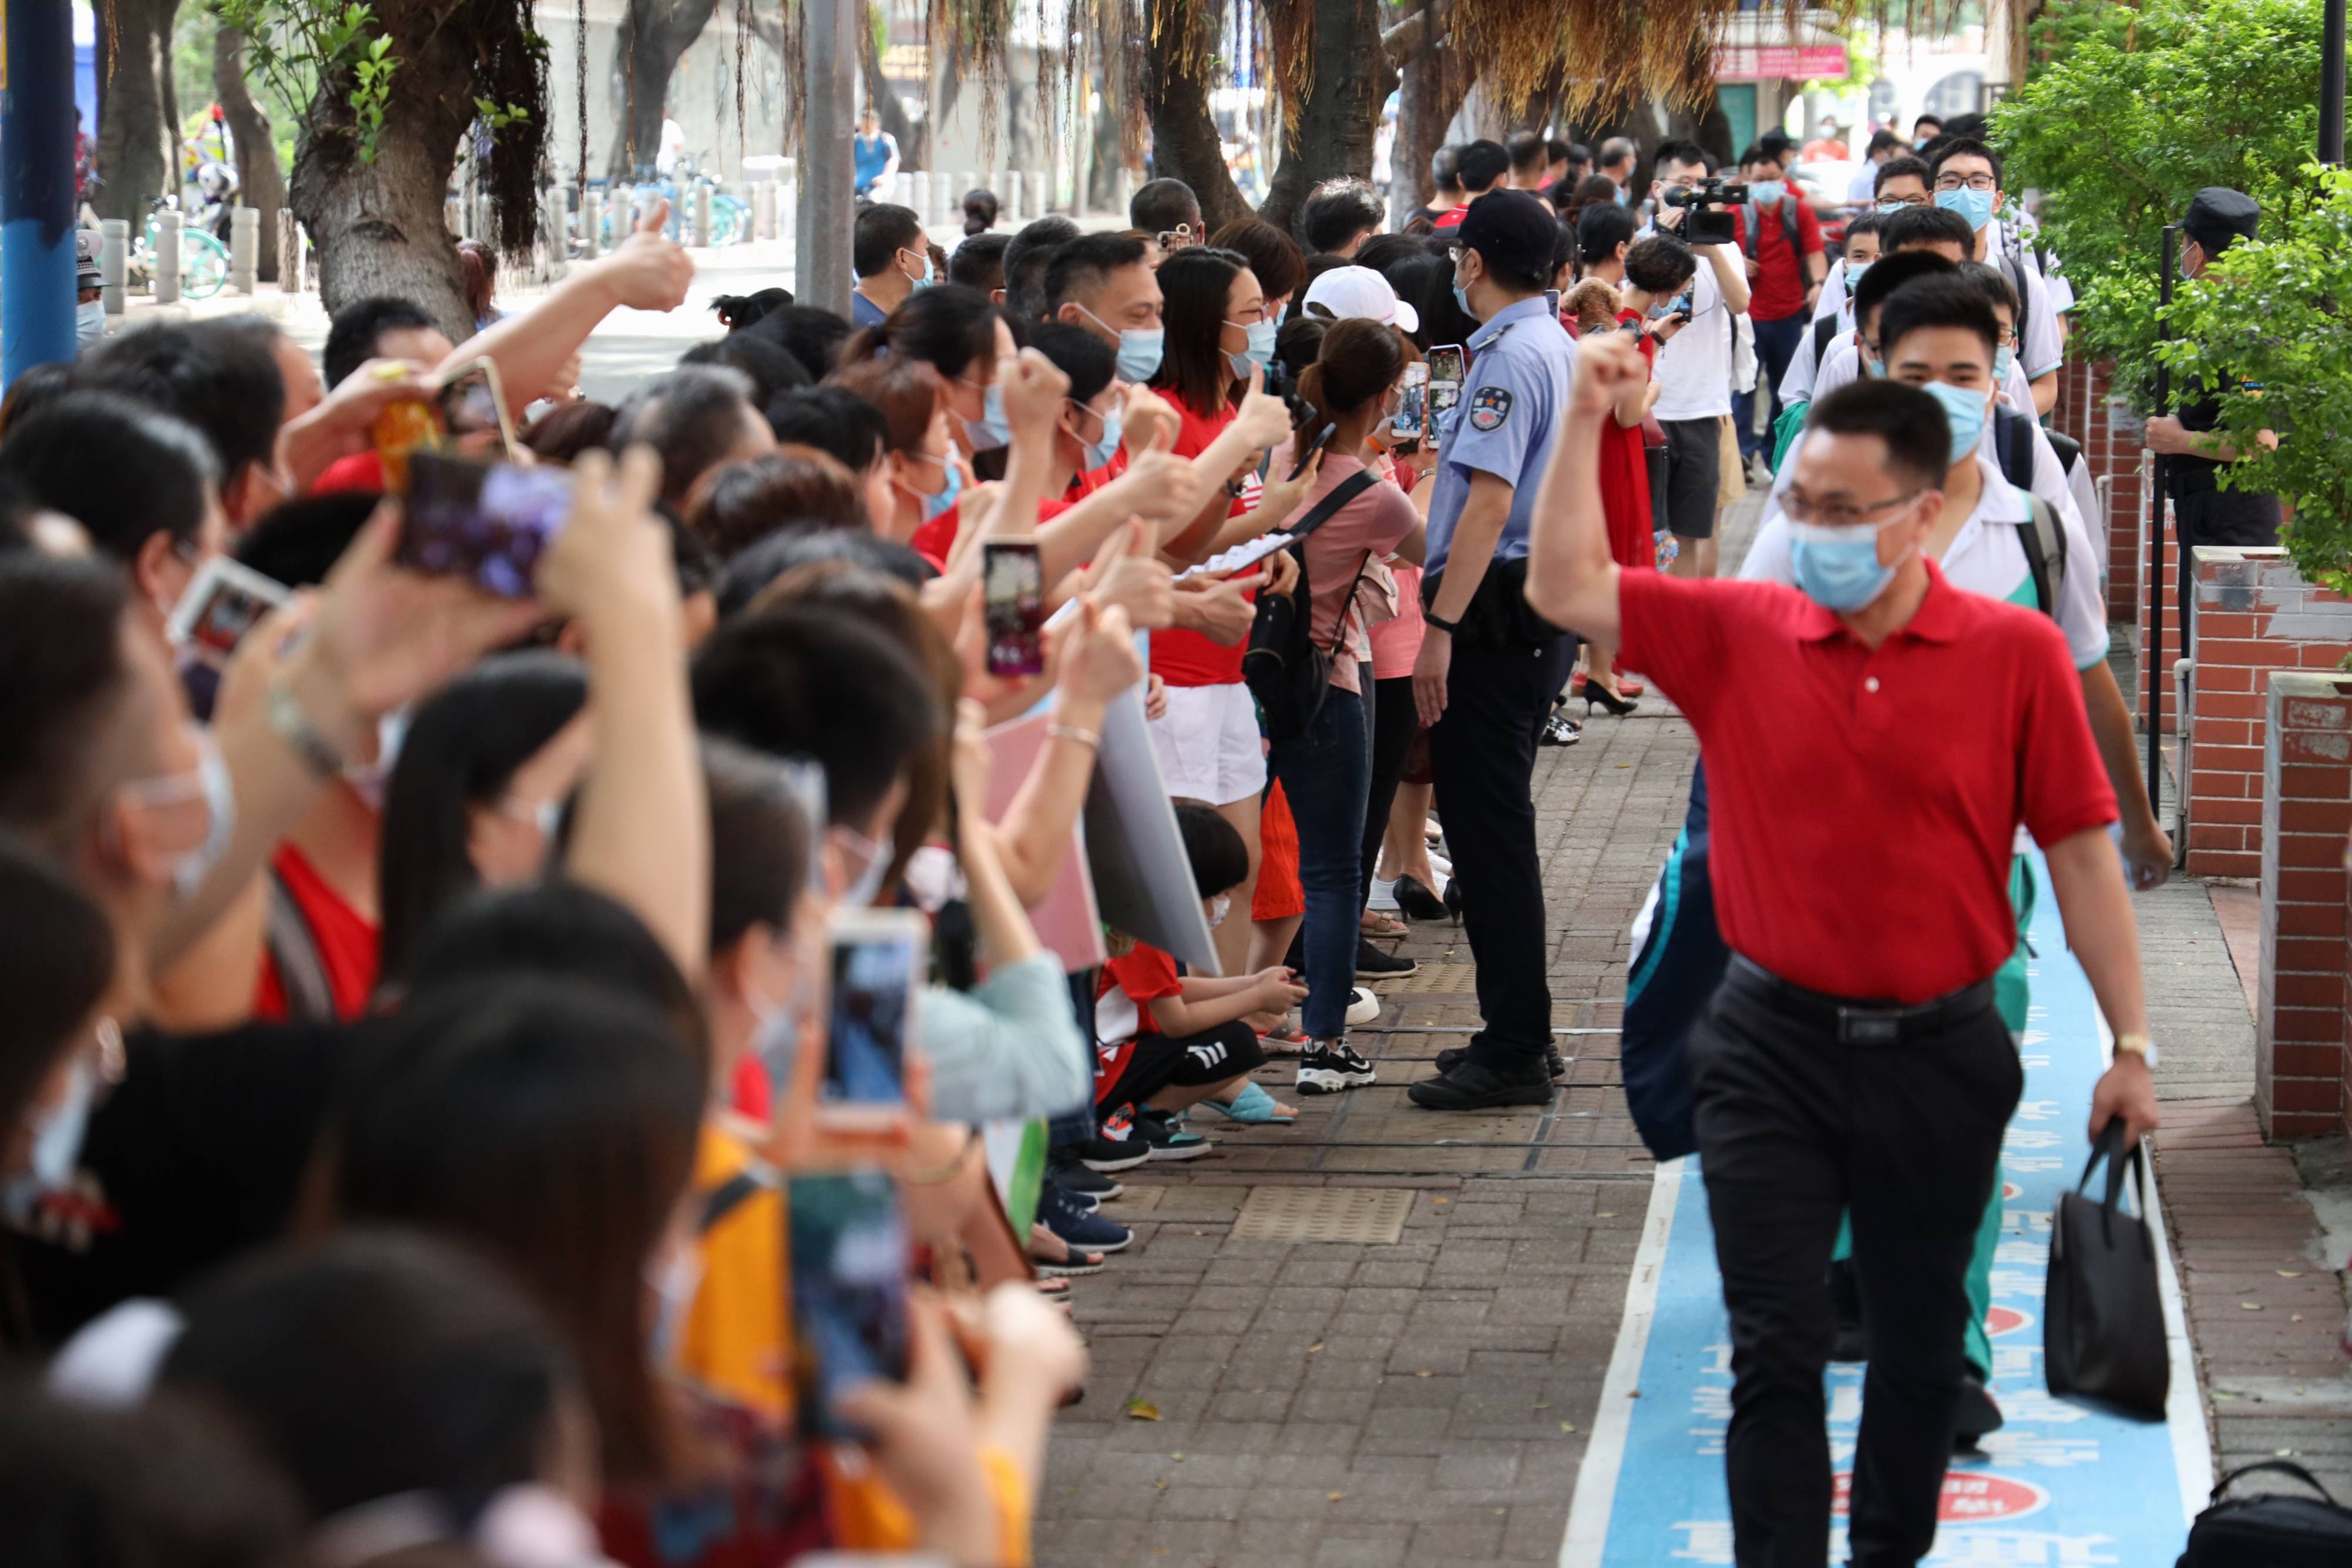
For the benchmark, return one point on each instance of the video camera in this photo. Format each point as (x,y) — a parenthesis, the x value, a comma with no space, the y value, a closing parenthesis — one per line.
(1709,204)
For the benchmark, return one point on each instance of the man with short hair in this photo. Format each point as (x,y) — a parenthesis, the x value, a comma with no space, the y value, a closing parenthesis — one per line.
(1106,284)
(1445,177)
(1166,211)
(1032,250)
(1338,217)
(221,375)
(1883,145)
(1926,129)
(1965,176)
(1901,182)
(1828,145)
(1561,156)
(1530,160)
(1872,739)
(1618,159)
(382,327)
(892,259)
(1694,373)
(1781,239)
(1487,671)
(1481,166)
(2204,513)
(697,418)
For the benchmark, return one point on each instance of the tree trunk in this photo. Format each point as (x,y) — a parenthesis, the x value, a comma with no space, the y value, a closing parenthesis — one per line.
(138,144)
(913,150)
(261,184)
(1331,135)
(1180,42)
(378,227)
(653,35)
(1436,77)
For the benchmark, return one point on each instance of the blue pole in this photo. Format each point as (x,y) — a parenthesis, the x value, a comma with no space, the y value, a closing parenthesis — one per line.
(37,185)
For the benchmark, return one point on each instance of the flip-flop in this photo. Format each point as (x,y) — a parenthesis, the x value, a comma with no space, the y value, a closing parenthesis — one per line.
(1254,1106)
(1384,924)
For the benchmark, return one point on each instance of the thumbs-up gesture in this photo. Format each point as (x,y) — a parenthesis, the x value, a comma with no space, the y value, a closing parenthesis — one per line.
(649,271)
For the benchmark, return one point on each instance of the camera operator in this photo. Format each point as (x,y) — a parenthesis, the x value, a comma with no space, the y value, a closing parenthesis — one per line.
(1694,368)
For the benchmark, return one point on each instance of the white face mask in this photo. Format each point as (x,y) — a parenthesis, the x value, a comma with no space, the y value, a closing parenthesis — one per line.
(209,780)
(370,780)
(1219,907)
(873,860)
(90,323)
(674,1279)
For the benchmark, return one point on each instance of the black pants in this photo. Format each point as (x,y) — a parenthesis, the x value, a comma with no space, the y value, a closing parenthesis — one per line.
(1393,724)
(1481,754)
(1797,1127)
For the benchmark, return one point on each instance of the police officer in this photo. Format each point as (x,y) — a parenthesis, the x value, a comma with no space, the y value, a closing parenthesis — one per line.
(2204,513)
(1489,667)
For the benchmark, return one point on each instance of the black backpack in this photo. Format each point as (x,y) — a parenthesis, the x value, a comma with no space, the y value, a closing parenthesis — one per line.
(2273,1531)
(1286,670)
(2043,538)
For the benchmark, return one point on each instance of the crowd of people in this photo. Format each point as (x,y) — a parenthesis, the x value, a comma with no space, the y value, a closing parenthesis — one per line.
(456,1042)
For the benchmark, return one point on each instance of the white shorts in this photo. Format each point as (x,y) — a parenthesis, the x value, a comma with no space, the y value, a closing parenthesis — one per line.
(1208,744)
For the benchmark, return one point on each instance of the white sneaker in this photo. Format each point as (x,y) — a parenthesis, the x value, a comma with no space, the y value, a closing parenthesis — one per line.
(1362,1007)
(1383,894)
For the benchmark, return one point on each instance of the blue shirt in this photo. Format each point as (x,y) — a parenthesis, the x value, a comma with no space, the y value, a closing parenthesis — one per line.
(1511,404)
(870,158)
(863,312)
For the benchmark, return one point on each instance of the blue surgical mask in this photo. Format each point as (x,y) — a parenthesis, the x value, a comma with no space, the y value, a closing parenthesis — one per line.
(1965,410)
(1853,273)
(1767,193)
(991,430)
(925,281)
(90,323)
(1463,300)
(1838,568)
(934,504)
(1875,368)
(1974,205)
(1100,453)
(1140,352)
(2002,359)
(1260,352)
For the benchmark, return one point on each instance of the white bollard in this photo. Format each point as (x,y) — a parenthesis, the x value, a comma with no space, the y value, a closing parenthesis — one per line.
(591,222)
(918,199)
(1126,186)
(1042,193)
(243,247)
(702,216)
(763,209)
(1008,196)
(165,284)
(113,253)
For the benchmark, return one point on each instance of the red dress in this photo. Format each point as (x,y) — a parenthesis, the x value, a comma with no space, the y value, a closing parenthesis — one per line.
(1625,483)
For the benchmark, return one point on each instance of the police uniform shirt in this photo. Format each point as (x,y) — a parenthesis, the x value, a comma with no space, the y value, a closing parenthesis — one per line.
(1513,396)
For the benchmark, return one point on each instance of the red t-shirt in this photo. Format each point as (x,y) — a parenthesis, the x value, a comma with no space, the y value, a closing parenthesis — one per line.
(1864,802)
(935,538)
(1145,976)
(1451,218)
(1778,289)
(359,471)
(348,943)
(1184,658)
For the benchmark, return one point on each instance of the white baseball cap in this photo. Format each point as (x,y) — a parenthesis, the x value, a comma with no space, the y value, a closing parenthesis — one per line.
(1358,292)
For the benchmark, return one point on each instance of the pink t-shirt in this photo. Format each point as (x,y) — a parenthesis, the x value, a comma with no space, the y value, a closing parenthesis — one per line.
(1377,521)
(1396,643)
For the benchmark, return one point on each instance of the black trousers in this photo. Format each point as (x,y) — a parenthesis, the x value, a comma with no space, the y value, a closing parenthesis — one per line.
(1798,1126)
(1394,723)
(1482,753)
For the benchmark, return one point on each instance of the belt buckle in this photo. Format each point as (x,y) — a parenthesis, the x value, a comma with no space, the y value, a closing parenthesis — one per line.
(1869,1026)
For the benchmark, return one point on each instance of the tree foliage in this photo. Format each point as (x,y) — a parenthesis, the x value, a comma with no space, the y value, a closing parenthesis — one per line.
(2267,324)
(2134,112)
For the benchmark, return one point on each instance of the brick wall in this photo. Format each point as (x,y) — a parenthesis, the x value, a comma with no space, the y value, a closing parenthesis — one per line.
(2255,614)
(2301,1082)
(2110,435)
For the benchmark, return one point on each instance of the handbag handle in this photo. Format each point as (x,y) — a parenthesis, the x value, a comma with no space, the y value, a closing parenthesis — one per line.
(2109,1148)
(2284,1466)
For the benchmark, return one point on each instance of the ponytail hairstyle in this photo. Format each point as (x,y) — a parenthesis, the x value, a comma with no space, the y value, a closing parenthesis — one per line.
(1360,362)
(979,210)
(1593,305)
(948,328)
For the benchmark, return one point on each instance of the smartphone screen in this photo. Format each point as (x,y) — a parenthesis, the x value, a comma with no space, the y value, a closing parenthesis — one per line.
(1681,311)
(485,522)
(221,605)
(1413,405)
(877,964)
(473,412)
(849,1269)
(1446,364)
(1551,302)
(1014,598)
(1306,454)
(1445,370)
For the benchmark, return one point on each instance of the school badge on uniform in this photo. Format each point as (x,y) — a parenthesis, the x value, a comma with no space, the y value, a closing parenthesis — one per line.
(1490,408)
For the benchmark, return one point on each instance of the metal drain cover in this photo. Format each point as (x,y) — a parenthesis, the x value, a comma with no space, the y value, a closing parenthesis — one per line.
(1431,976)
(1370,1216)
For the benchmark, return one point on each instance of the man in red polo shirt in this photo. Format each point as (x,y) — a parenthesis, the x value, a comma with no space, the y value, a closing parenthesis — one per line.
(1872,739)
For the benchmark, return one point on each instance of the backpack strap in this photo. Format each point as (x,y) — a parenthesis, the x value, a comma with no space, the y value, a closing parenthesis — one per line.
(725,1198)
(1792,231)
(1750,219)
(1824,331)
(2045,543)
(294,949)
(2012,445)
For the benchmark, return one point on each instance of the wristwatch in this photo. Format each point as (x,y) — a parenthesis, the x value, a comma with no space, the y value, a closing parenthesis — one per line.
(2137,1045)
(1431,618)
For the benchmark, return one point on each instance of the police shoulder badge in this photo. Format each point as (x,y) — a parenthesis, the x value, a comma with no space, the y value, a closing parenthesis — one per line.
(1489,407)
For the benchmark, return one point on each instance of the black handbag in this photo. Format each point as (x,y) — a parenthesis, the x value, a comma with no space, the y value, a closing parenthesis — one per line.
(1286,671)
(2273,1531)
(2103,1329)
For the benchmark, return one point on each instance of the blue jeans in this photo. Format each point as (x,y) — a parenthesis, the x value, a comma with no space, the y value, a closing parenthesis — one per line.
(1326,773)
(1776,345)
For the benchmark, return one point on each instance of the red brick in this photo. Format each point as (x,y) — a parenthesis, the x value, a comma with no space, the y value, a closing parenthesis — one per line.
(2212,624)
(2307,955)
(2325,989)
(2319,748)
(2323,656)
(2253,652)
(2313,849)
(2208,785)
(2230,808)
(2304,1095)
(2306,781)
(2213,678)
(2217,730)
(2219,702)
(2219,836)
(2320,1025)
(2314,920)
(2302,1124)
(2224,863)
(2223,758)
(2292,1061)
(2316,817)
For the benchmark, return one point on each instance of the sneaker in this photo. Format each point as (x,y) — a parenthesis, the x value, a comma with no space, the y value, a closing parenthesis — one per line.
(1362,1007)
(1559,730)
(1072,1176)
(1977,1415)
(1473,1087)
(1085,1231)
(1329,1067)
(1383,895)
(1455,1056)
(1114,1148)
(1167,1139)
(1371,964)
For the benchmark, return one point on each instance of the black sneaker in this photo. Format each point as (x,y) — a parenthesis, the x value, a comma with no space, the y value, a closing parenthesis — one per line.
(1330,1067)
(1168,1138)
(1084,1230)
(1115,1147)
(1977,1415)
(1071,1176)
(1473,1087)
(1455,1056)
(1371,964)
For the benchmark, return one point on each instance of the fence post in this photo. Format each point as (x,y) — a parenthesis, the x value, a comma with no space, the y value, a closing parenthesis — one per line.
(243,247)
(165,283)
(114,255)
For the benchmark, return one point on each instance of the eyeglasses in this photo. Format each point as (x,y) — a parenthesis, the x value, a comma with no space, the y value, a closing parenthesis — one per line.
(1918,201)
(1967,182)
(1803,508)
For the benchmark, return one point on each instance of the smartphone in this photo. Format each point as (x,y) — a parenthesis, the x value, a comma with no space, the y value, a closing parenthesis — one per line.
(1551,302)
(876,966)
(485,521)
(473,411)
(1411,416)
(1013,584)
(1322,439)
(1446,372)
(221,605)
(848,1261)
(1681,311)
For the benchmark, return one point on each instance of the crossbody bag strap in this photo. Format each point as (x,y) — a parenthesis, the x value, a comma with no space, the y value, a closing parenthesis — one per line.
(1344,491)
